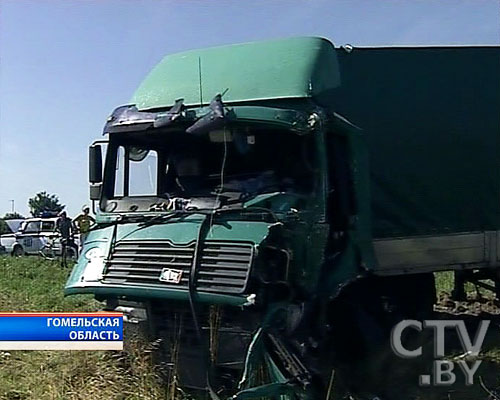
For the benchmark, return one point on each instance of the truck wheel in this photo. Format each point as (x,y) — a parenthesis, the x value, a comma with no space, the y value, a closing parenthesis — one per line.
(357,324)
(18,251)
(496,280)
(364,315)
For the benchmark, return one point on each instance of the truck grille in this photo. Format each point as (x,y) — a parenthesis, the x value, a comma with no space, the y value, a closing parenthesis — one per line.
(223,267)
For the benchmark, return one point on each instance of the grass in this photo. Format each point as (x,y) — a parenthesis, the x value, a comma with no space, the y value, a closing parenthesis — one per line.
(444,284)
(444,281)
(34,284)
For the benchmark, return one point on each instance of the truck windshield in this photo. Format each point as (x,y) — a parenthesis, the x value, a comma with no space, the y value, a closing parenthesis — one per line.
(229,163)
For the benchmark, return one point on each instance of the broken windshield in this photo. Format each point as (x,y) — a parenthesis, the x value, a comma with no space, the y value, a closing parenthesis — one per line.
(229,164)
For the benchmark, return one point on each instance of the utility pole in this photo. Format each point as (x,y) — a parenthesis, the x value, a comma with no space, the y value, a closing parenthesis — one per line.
(12,203)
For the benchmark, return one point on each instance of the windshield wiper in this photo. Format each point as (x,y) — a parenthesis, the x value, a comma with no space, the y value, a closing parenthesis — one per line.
(163,218)
(124,218)
(177,214)
(247,196)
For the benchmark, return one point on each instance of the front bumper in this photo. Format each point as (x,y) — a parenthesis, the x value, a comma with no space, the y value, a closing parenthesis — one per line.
(102,291)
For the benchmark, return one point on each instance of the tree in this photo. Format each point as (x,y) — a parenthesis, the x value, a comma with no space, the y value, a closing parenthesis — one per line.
(3,227)
(13,215)
(44,202)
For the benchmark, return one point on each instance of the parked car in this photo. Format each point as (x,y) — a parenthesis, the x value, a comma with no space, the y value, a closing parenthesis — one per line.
(34,236)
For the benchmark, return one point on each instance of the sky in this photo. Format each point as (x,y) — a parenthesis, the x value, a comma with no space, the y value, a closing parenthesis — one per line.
(65,65)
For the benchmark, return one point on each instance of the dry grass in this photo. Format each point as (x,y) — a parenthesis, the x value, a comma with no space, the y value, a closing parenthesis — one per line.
(33,284)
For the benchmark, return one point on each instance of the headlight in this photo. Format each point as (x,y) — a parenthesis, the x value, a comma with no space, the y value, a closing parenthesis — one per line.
(95,266)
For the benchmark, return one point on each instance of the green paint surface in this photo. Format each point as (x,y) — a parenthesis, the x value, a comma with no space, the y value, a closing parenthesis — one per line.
(179,233)
(290,68)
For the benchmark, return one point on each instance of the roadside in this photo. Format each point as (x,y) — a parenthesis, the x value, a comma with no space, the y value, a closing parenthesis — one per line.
(35,284)
(385,376)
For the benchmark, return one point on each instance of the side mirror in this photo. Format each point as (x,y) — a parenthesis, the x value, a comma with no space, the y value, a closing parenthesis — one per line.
(95,164)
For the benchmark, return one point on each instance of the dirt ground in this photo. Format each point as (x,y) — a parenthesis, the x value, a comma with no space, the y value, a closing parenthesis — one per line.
(387,377)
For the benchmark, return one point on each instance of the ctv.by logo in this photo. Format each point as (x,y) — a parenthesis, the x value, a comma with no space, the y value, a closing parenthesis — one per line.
(442,372)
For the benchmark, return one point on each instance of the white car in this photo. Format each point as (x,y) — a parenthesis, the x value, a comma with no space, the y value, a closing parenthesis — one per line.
(33,236)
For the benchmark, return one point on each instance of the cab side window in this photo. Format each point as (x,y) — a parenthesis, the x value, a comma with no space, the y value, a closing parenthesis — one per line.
(120,173)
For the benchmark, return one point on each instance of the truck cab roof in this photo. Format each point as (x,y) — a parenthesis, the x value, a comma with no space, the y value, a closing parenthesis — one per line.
(301,67)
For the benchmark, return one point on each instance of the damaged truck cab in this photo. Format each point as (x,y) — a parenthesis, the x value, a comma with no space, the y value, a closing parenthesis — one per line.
(233,207)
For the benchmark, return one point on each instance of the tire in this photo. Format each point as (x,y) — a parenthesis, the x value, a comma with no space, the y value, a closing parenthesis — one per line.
(366,312)
(17,251)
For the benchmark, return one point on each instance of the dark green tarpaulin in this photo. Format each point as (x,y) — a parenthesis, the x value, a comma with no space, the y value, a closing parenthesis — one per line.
(432,121)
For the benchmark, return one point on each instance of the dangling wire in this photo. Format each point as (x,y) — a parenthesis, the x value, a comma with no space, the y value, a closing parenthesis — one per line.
(223,166)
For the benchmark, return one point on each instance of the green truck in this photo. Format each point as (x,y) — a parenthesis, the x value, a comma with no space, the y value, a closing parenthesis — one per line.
(272,209)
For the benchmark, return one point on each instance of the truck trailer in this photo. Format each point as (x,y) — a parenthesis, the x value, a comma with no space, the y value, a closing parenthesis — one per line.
(430,117)
(272,209)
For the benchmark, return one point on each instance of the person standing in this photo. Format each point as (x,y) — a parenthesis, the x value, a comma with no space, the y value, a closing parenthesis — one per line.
(83,222)
(64,226)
